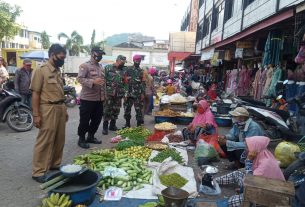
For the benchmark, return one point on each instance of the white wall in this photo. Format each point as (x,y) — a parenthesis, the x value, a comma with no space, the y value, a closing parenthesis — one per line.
(286,3)
(232,26)
(257,11)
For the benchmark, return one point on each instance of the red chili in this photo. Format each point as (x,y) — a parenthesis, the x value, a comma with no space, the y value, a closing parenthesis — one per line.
(157,136)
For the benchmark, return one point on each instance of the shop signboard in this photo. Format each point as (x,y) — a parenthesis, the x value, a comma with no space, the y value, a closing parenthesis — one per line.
(207,55)
(244,44)
(239,53)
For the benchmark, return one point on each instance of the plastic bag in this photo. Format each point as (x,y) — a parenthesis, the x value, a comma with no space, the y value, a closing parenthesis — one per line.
(213,140)
(203,149)
(113,194)
(284,152)
(113,172)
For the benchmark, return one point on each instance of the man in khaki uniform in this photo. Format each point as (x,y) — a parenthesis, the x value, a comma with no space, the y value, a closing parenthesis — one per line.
(50,114)
(91,76)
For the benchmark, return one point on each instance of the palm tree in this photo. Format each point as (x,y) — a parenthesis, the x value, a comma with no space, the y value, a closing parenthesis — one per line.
(74,43)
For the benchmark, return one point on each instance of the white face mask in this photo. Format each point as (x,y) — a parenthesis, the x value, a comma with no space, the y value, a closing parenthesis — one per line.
(234,120)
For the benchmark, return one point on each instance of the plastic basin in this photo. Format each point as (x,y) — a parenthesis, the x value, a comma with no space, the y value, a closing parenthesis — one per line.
(174,197)
(81,188)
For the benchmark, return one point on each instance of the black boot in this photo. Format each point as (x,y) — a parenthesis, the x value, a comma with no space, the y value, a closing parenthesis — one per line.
(82,142)
(140,123)
(112,126)
(127,125)
(105,128)
(93,140)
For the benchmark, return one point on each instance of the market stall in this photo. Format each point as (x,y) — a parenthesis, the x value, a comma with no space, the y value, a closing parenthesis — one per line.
(143,165)
(176,109)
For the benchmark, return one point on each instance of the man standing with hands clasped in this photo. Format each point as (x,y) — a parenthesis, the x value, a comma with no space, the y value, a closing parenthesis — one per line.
(135,92)
(50,114)
(115,87)
(92,78)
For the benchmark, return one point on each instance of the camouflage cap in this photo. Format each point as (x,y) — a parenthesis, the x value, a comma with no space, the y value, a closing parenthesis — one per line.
(122,58)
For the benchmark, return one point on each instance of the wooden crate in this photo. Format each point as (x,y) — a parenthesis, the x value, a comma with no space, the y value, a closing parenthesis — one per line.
(267,192)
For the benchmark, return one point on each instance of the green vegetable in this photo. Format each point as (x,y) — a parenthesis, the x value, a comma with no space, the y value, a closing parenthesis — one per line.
(168,153)
(173,179)
(149,204)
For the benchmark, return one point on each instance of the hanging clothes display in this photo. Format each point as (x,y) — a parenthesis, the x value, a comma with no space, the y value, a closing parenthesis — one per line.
(257,84)
(231,83)
(273,48)
(277,74)
(268,81)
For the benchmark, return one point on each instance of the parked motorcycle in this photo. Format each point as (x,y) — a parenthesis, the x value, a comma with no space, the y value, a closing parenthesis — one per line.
(70,96)
(295,172)
(300,101)
(17,115)
(277,123)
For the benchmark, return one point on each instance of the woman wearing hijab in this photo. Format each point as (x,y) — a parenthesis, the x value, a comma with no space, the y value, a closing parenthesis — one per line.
(259,162)
(203,122)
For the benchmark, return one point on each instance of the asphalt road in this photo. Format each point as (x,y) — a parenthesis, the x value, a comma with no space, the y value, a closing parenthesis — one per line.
(17,189)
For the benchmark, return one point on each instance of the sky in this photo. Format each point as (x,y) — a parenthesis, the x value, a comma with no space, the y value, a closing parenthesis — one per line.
(150,17)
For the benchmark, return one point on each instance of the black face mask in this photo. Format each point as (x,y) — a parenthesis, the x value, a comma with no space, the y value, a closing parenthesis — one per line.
(58,62)
(120,66)
(97,58)
(136,64)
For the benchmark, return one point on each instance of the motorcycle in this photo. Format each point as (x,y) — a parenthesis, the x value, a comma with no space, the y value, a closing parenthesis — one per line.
(70,96)
(295,173)
(17,115)
(277,123)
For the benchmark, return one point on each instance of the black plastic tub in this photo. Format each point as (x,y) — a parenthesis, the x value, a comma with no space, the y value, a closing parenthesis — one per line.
(81,189)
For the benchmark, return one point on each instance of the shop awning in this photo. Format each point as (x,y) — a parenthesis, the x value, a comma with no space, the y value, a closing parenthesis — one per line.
(207,54)
(262,25)
(178,56)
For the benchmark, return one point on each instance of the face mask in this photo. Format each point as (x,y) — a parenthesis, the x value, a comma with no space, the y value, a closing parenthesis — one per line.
(120,66)
(136,64)
(234,120)
(58,62)
(97,58)
(242,123)
(200,110)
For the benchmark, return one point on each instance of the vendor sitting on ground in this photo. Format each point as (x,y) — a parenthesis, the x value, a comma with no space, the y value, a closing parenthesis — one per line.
(203,123)
(170,89)
(259,162)
(233,144)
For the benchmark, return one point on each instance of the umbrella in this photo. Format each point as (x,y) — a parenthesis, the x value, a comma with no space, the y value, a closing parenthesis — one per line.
(36,55)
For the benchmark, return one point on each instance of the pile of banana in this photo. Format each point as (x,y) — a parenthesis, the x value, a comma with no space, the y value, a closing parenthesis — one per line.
(55,200)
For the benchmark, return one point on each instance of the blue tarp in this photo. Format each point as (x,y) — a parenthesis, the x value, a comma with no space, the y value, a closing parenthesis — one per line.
(128,202)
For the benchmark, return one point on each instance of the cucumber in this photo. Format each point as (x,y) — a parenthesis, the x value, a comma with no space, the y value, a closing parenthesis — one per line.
(123,178)
(134,183)
(139,180)
(124,185)
(128,188)
(112,181)
(139,187)
(120,182)
(131,171)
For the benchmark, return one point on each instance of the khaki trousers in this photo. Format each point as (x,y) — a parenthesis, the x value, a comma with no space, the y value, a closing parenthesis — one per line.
(50,141)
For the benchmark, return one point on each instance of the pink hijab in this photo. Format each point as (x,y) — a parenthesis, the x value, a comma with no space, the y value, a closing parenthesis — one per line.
(264,164)
(205,118)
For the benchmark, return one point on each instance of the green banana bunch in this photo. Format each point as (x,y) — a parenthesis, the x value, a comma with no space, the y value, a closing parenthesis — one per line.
(55,200)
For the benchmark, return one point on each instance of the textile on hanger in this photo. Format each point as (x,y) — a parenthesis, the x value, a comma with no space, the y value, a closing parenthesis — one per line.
(277,74)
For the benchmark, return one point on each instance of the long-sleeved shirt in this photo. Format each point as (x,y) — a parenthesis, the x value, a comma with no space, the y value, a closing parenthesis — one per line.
(23,81)
(236,136)
(87,73)
(136,82)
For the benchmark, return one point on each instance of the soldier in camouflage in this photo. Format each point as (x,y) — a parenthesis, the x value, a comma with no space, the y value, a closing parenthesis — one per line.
(135,92)
(115,83)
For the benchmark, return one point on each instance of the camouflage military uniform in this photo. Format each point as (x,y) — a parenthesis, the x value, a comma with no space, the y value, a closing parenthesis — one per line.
(135,89)
(115,92)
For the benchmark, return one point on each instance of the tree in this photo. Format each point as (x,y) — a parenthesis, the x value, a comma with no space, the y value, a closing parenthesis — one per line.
(8,14)
(74,43)
(92,39)
(45,41)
